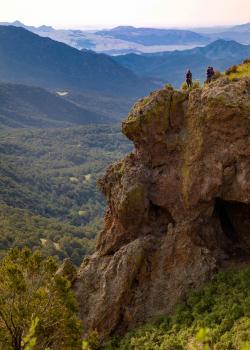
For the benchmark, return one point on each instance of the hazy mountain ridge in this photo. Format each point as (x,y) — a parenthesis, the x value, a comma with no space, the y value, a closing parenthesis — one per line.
(171,66)
(153,36)
(128,39)
(102,41)
(30,59)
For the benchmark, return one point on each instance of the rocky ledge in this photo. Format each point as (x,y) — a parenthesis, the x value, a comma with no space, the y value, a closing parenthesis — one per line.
(178,206)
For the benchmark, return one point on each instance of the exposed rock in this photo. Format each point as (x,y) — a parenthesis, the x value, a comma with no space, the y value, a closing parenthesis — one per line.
(68,270)
(178,207)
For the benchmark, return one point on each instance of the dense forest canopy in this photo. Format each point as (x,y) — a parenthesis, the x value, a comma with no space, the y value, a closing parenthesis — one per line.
(49,197)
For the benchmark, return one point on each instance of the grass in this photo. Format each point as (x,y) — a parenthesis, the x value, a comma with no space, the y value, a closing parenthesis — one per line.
(242,70)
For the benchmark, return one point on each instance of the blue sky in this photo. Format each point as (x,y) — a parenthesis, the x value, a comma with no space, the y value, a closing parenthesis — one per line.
(158,13)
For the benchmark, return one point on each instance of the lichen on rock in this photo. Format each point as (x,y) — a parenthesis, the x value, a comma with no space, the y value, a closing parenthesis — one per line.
(178,206)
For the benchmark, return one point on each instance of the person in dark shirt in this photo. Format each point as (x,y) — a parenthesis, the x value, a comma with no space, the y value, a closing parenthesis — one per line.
(210,74)
(189,78)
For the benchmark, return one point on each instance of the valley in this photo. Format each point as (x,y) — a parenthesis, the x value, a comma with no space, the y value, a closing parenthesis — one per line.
(48,186)
(124,193)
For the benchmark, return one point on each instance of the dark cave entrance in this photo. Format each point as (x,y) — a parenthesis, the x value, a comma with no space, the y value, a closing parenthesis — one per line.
(159,218)
(234,220)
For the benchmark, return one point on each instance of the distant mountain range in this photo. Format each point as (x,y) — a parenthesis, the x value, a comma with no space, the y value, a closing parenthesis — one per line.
(241,28)
(240,33)
(152,36)
(30,59)
(122,39)
(31,28)
(127,39)
(46,83)
(28,106)
(171,66)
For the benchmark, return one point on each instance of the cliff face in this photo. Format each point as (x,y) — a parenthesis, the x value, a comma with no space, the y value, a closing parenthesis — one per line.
(178,206)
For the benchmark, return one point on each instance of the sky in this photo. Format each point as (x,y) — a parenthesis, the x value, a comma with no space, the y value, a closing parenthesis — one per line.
(109,13)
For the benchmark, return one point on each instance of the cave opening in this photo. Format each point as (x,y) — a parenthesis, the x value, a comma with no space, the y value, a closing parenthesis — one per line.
(234,220)
(159,218)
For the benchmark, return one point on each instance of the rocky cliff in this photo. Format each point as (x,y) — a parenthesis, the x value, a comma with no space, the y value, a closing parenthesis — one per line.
(178,206)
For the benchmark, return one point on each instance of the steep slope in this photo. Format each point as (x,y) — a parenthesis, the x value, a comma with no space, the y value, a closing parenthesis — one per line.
(28,106)
(178,206)
(171,66)
(30,59)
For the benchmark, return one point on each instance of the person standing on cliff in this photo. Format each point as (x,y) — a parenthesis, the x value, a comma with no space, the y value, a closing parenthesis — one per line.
(189,78)
(210,74)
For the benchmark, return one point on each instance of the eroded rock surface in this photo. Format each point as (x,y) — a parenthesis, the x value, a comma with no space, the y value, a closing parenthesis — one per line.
(178,206)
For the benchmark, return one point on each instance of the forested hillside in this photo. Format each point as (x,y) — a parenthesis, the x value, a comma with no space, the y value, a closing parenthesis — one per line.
(29,106)
(52,173)
(22,228)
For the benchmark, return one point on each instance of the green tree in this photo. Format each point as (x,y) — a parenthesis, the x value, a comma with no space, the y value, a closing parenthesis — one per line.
(30,289)
(29,341)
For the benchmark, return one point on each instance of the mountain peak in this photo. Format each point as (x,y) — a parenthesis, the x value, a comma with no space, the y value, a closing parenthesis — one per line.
(225,43)
(45,28)
(18,24)
(125,28)
(222,47)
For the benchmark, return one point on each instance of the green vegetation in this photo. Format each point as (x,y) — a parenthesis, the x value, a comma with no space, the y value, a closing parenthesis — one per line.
(51,175)
(195,85)
(31,293)
(240,71)
(29,340)
(21,228)
(38,312)
(218,316)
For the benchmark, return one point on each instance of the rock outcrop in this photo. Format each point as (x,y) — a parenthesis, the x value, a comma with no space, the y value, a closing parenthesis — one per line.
(178,206)
(68,270)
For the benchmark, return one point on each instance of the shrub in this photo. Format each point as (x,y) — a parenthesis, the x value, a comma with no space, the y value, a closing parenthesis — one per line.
(168,86)
(30,290)
(184,86)
(217,75)
(231,70)
(195,85)
(216,317)
(92,341)
(246,61)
